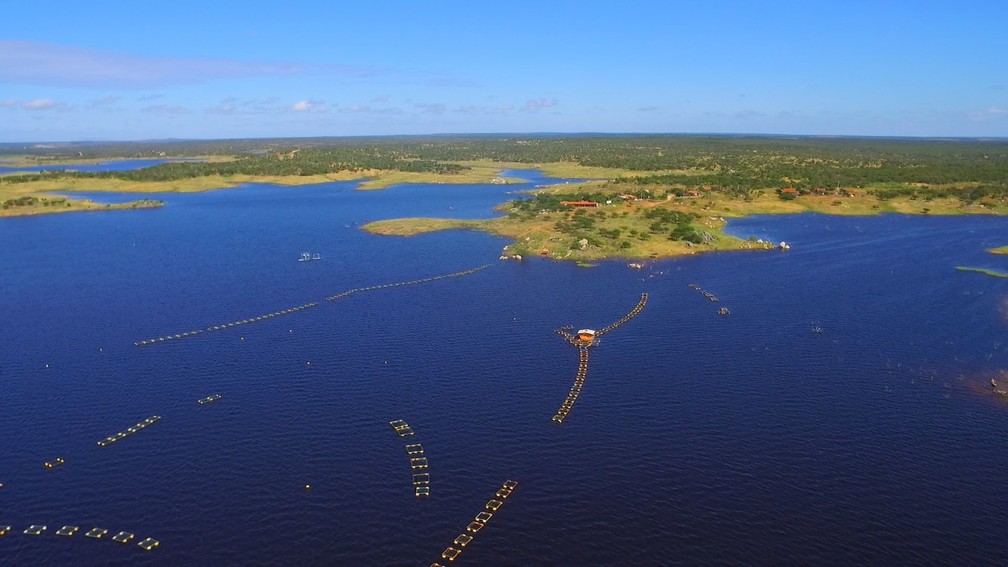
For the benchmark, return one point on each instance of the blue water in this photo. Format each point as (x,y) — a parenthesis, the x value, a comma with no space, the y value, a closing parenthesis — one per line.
(111,165)
(697,439)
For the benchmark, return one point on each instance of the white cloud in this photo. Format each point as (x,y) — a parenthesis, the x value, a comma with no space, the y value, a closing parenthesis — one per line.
(166,109)
(31,62)
(431,107)
(537,104)
(105,101)
(39,104)
(309,106)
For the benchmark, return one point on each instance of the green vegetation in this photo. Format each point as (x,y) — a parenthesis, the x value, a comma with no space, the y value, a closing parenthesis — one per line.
(657,195)
(999,250)
(994,273)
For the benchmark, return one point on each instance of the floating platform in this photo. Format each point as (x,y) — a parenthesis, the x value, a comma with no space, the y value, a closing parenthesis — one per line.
(67,531)
(418,463)
(209,399)
(421,491)
(494,505)
(422,479)
(53,463)
(510,484)
(450,553)
(96,533)
(474,527)
(414,449)
(123,537)
(401,427)
(483,517)
(463,540)
(4,530)
(503,493)
(35,529)
(149,544)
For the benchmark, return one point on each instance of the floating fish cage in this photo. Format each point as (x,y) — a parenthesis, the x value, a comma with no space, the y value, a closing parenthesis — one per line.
(149,544)
(96,533)
(123,537)
(67,531)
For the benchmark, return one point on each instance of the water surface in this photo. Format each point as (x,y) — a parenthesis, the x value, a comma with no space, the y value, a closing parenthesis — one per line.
(837,416)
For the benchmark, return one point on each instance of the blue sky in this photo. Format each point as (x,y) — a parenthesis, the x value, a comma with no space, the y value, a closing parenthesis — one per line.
(127,70)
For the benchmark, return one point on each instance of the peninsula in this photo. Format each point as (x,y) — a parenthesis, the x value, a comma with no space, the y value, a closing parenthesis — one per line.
(645,196)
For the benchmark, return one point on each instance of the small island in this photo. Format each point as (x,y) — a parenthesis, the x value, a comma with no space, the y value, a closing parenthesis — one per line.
(643,196)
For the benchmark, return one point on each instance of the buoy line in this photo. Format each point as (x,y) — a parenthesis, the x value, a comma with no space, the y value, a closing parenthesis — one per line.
(299,308)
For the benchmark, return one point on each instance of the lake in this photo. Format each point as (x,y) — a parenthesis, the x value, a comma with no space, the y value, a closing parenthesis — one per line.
(110,165)
(840,414)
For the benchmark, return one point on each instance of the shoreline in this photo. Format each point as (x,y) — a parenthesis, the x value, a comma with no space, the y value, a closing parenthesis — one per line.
(632,227)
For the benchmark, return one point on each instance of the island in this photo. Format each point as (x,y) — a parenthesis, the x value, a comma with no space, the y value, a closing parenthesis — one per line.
(636,197)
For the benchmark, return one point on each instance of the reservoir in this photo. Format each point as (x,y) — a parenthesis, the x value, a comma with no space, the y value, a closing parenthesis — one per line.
(841,414)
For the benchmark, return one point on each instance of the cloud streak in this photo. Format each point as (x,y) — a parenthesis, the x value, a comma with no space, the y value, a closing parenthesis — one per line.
(38,63)
(39,104)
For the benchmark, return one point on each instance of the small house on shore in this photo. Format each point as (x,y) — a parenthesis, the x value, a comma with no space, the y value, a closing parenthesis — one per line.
(582,204)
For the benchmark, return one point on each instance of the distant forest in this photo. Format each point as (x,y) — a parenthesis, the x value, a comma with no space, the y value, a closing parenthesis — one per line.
(896,166)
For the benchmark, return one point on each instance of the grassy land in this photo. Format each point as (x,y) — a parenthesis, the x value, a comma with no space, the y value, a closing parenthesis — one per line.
(999,250)
(658,223)
(681,217)
(985,271)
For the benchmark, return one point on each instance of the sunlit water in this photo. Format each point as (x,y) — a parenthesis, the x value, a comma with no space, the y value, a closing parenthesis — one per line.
(838,415)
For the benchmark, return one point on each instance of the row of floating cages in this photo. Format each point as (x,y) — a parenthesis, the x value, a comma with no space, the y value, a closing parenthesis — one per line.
(123,537)
(479,522)
(129,431)
(418,460)
(209,399)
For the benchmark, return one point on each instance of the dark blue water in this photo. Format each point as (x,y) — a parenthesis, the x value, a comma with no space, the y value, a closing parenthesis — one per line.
(698,438)
(112,165)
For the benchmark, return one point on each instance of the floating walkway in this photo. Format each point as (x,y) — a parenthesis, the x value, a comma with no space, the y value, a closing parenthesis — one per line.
(38,530)
(584,340)
(299,308)
(479,522)
(417,459)
(129,431)
(411,282)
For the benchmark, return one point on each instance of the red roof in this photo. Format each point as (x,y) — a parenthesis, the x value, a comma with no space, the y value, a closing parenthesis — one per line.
(580,203)
(791,190)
